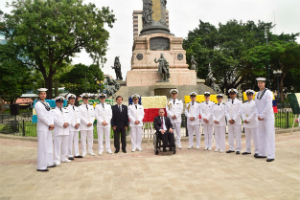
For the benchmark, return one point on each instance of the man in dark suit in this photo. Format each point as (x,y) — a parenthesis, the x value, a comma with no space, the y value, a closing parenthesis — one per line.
(164,129)
(119,123)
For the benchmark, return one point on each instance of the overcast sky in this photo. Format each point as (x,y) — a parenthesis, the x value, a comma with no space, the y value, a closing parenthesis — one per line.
(185,16)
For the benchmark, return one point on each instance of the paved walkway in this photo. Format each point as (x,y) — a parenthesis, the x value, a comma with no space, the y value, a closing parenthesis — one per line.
(188,175)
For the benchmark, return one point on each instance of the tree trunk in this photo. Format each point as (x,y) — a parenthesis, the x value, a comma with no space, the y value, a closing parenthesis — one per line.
(49,85)
(281,85)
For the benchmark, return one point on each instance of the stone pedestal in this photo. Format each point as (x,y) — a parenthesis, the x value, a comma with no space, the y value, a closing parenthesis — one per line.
(147,48)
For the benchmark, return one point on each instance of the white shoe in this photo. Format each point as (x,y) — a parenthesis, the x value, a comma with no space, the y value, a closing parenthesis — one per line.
(190,147)
(92,154)
(139,149)
(209,149)
(197,147)
(57,163)
(109,152)
(100,153)
(132,150)
(66,161)
(83,155)
(216,150)
(221,151)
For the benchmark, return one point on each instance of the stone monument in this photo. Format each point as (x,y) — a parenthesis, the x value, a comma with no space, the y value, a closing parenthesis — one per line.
(155,40)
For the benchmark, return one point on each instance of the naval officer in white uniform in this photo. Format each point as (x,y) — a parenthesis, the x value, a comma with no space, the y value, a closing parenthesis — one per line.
(136,115)
(103,114)
(206,109)
(266,121)
(174,110)
(192,113)
(45,125)
(249,116)
(74,128)
(87,118)
(219,118)
(233,115)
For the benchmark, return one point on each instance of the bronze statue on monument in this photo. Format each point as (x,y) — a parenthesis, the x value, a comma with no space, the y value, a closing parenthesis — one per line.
(163,68)
(117,68)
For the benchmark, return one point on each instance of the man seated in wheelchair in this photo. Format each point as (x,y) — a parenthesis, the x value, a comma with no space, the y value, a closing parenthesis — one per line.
(164,132)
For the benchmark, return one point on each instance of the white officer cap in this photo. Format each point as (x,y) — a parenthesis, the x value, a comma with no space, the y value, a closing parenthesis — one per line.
(219,95)
(262,79)
(42,90)
(69,96)
(193,94)
(102,95)
(135,96)
(174,91)
(206,93)
(232,90)
(250,92)
(59,99)
(85,95)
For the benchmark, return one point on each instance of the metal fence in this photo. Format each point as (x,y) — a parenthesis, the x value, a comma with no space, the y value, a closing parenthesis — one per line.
(22,125)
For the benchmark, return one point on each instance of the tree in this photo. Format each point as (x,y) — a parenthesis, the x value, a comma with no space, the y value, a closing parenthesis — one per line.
(225,49)
(47,33)
(82,79)
(14,76)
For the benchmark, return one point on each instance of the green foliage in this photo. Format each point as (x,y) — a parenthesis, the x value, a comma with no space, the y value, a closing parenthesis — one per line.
(47,33)
(82,79)
(237,53)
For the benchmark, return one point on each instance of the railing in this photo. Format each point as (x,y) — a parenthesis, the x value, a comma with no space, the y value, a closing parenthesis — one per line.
(22,125)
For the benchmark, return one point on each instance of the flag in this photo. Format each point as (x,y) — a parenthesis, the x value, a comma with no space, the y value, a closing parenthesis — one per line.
(152,105)
(294,100)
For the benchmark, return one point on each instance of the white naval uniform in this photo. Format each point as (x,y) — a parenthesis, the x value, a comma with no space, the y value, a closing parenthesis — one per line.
(249,113)
(74,133)
(193,110)
(136,112)
(233,112)
(103,113)
(87,115)
(206,110)
(45,140)
(61,134)
(219,115)
(175,108)
(266,127)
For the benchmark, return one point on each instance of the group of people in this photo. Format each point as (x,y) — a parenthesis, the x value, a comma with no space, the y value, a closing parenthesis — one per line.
(58,129)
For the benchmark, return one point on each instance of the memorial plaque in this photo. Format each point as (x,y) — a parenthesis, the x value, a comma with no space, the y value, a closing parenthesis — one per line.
(159,43)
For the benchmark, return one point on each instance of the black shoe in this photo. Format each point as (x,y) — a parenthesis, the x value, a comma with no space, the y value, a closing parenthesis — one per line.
(78,156)
(42,170)
(71,158)
(270,159)
(255,155)
(164,150)
(124,151)
(174,151)
(246,153)
(52,166)
(229,151)
(116,151)
(261,156)
(238,152)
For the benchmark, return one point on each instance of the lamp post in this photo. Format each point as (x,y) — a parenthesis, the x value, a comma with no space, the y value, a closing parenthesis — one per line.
(268,68)
(277,74)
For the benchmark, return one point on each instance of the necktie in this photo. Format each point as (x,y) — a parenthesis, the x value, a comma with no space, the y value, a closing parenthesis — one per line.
(192,103)
(162,123)
(135,106)
(173,101)
(60,109)
(102,105)
(87,108)
(73,107)
(232,101)
(120,107)
(218,104)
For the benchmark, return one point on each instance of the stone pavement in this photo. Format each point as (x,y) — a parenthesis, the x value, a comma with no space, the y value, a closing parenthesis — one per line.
(188,175)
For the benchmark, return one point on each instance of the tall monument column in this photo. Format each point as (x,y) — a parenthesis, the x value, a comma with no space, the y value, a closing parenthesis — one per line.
(154,17)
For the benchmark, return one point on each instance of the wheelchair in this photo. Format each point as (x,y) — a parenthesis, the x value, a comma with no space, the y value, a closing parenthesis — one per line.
(158,144)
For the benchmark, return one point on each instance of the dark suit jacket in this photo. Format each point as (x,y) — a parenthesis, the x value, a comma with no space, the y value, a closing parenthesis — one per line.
(119,119)
(157,123)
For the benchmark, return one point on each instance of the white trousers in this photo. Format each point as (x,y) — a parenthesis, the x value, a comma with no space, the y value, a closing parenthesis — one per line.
(266,137)
(177,129)
(103,130)
(136,133)
(61,148)
(208,130)
(50,153)
(220,137)
(234,133)
(42,149)
(73,140)
(89,137)
(194,129)
(251,134)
